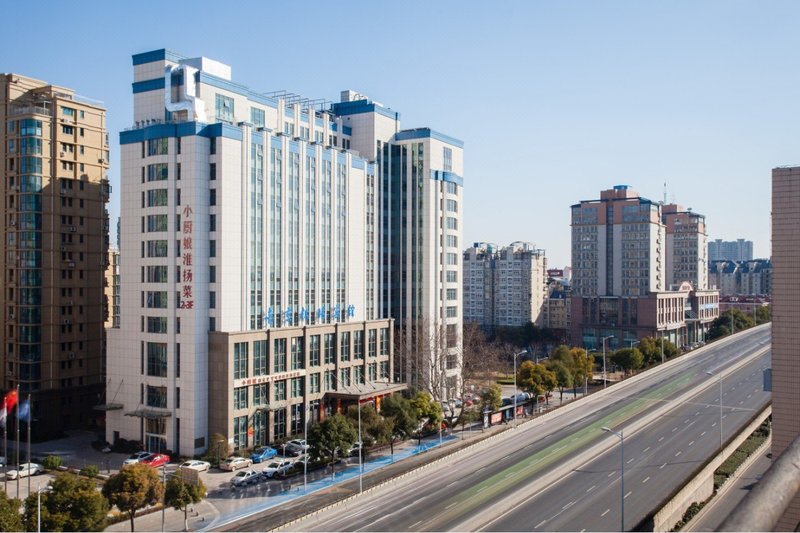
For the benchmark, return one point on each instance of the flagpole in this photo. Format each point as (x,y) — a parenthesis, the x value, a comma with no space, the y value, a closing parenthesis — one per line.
(29,417)
(5,448)
(16,448)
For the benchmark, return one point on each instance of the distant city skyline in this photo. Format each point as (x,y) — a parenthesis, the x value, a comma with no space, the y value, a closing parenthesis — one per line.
(553,102)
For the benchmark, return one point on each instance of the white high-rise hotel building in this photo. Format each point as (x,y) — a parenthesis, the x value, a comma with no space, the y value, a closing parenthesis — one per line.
(270,245)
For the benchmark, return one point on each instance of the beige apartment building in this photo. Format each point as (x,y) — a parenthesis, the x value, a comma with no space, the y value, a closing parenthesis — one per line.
(786,320)
(55,159)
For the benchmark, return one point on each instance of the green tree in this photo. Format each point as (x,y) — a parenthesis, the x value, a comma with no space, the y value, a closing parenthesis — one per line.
(335,435)
(180,495)
(563,375)
(10,519)
(492,397)
(73,504)
(722,324)
(134,488)
(536,378)
(375,429)
(562,353)
(763,314)
(582,368)
(628,358)
(429,411)
(401,417)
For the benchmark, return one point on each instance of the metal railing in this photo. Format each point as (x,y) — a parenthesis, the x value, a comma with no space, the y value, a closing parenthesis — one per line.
(762,509)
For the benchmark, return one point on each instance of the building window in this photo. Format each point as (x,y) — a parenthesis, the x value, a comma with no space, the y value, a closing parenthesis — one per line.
(313,384)
(452,311)
(157,172)
(344,346)
(447,157)
(358,344)
(157,198)
(358,372)
(297,418)
(279,424)
(384,341)
(157,359)
(297,387)
(330,348)
(313,350)
(260,395)
(372,348)
(452,294)
(259,358)
(297,353)
(212,197)
(279,356)
(240,398)
(212,248)
(157,397)
(158,146)
(257,117)
(156,299)
(330,380)
(157,248)
(240,354)
(280,390)
(156,324)
(224,108)
(452,276)
(344,377)
(240,432)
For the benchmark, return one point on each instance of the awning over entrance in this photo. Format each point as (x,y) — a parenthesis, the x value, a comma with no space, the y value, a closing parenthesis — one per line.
(108,407)
(149,414)
(362,392)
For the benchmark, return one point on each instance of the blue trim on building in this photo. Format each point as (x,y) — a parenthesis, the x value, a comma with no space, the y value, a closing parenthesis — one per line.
(443,175)
(311,150)
(423,133)
(148,85)
(318,122)
(257,138)
(362,106)
(288,111)
(294,146)
(347,130)
(371,168)
(184,129)
(334,126)
(156,55)
(358,163)
(342,158)
(237,88)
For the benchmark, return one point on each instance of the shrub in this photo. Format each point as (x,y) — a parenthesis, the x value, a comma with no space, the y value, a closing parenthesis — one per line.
(51,462)
(90,471)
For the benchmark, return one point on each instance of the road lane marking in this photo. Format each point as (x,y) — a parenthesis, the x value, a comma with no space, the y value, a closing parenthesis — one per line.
(741,402)
(646,449)
(686,421)
(748,396)
(662,438)
(674,430)
(482,489)
(714,424)
(605,512)
(415,524)
(629,493)
(630,461)
(691,443)
(645,480)
(612,473)
(540,524)
(570,504)
(703,433)
(451,505)
(662,466)
(590,489)
(451,484)
(697,413)
(509,475)
(679,452)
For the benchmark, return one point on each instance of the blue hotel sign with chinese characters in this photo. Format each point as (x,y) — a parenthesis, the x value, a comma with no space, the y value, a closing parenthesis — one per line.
(337,314)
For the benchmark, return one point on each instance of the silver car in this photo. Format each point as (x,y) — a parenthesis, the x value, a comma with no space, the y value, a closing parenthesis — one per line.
(25,470)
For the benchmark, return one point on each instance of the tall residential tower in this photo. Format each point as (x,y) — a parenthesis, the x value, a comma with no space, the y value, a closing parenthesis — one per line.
(54,149)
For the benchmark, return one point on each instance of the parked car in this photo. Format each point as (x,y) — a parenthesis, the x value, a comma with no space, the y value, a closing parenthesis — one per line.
(235,463)
(280,468)
(245,477)
(136,458)
(263,453)
(25,470)
(200,466)
(155,460)
(354,448)
(298,443)
(2,461)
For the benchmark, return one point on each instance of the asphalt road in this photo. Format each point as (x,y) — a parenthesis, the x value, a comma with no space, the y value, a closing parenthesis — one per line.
(542,475)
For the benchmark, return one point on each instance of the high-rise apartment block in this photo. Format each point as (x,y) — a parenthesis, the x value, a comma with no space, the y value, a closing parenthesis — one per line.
(638,269)
(505,287)
(54,149)
(741,277)
(269,246)
(786,320)
(738,250)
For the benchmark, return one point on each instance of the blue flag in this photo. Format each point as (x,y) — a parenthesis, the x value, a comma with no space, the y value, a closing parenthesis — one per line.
(24,411)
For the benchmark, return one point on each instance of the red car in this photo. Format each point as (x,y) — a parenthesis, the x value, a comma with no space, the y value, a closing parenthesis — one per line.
(155,460)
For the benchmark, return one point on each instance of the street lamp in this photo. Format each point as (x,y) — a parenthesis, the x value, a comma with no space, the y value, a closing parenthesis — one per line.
(39,491)
(622,477)
(605,376)
(515,385)
(719,375)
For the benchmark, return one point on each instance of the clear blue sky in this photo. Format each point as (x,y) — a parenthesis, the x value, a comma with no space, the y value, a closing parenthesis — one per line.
(554,100)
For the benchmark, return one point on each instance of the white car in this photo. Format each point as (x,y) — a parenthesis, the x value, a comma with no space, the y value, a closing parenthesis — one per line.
(200,466)
(280,468)
(245,477)
(25,470)
(136,458)
(235,463)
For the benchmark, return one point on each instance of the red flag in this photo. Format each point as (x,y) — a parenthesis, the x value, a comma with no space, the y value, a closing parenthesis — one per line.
(11,400)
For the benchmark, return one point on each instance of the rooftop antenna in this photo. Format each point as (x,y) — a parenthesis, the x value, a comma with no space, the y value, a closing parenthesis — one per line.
(665,192)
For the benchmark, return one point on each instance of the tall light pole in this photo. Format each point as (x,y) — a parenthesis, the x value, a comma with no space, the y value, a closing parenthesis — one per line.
(662,348)
(603,340)
(515,386)
(360,449)
(39,491)
(164,503)
(719,380)
(622,477)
